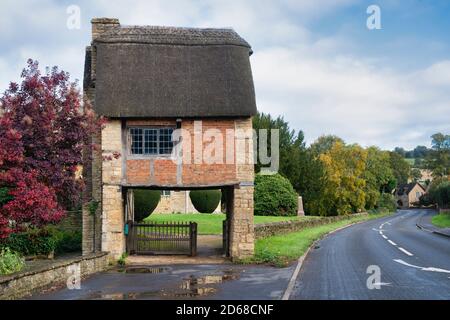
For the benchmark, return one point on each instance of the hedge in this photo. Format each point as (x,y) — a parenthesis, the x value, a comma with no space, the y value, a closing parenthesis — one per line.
(205,201)
(32,242)
(441,194)
(145,202)
(274,196)
(43,241)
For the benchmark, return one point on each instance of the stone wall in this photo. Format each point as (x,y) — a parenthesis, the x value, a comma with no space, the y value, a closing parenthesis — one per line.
(55,273)
(276,228)
(71,222)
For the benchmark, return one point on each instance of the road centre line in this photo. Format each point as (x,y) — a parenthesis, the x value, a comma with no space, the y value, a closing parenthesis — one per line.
(405,251)
(392,242)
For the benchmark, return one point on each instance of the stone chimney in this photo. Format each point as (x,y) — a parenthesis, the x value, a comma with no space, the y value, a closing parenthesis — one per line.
(100,25)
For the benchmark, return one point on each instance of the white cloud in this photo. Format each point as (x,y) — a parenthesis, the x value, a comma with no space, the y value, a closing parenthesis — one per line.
(309,78)
(351,98)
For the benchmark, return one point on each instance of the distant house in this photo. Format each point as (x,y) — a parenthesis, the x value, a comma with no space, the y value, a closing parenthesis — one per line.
(408,194)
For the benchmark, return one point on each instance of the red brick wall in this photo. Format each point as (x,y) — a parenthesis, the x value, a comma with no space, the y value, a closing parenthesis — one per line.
(138,171)
(165,169)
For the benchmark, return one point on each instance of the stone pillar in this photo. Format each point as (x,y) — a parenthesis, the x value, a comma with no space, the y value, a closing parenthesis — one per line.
(242,233)
(240,202)
(300,211)
(113,237)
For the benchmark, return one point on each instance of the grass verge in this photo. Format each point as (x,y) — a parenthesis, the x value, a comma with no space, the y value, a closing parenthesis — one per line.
(281,250)
(441,220)
(212,223)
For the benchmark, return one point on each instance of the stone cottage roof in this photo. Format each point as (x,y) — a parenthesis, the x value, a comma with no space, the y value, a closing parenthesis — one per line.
(149,71)
(407,187)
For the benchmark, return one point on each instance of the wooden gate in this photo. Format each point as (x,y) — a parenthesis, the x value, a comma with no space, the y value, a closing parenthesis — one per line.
(162,238)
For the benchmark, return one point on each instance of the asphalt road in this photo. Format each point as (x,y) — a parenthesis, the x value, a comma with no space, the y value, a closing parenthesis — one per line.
(179,282)
(413,264)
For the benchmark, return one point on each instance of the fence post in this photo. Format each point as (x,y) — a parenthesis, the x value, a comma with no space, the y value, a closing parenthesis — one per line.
(193,236)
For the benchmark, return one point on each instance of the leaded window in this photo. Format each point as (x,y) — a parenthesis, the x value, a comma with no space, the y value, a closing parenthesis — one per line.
(151,141)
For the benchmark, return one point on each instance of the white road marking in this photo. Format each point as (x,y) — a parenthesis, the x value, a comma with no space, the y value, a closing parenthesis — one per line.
(382,284)
(392,242)
(431,269)
(384,236)
(405,251)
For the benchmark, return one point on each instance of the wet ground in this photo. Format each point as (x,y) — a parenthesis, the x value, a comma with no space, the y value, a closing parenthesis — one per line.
(180,282)
(209,251)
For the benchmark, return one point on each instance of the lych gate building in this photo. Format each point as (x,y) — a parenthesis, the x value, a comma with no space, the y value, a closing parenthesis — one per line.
(150,81)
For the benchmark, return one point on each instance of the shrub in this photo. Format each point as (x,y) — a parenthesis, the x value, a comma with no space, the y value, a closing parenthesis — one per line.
(386,202)
(274,196)
(10,261)
(441,194)
(438,193)
(145,201)
(425,200)
(44,241)
(32,242)
(67,241)
(205,201)
(123,259)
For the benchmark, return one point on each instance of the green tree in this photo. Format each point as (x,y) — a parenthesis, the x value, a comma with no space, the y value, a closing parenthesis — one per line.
(324,144)
(400,167)
(378,175)
(400,151)
(438,159)
(344,188)
(416,175)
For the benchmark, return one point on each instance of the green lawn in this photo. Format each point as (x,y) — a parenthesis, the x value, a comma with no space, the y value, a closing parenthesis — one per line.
(212,223)
(282,249)
(441,220)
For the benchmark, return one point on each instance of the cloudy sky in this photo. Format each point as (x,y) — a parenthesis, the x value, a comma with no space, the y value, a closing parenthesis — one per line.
(314,62)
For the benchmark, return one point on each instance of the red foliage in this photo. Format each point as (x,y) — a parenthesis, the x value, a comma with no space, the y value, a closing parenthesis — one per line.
(43,131)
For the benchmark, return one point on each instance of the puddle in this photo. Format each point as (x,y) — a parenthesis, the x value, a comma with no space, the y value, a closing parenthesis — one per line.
(201,286)
(191,286)
(122,296)
(144,269)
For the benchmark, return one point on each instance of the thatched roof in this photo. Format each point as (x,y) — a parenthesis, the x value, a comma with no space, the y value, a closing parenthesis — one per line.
(173,72)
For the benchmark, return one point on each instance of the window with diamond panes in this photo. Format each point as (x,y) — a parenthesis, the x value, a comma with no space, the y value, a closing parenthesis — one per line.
(151,141)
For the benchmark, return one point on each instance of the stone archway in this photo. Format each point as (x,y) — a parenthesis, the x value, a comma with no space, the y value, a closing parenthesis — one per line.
(238,231)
